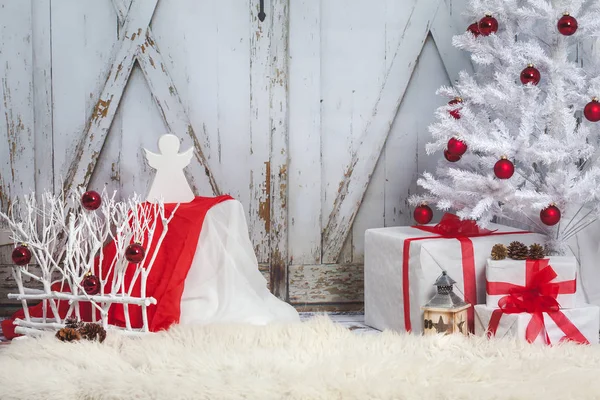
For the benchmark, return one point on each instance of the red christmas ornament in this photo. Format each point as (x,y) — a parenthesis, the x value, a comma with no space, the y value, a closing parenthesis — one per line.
(592,110)
(474,29)
(135,253)
(567,25)
(91,200)
(21,255)
(91,284)
(423,214)
(488,25)
(504,168)
(530,75)
(550,215)
(456,112)
(451,157)
(456,147)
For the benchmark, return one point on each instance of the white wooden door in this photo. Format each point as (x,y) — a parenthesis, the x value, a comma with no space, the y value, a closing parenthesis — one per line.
(315,118)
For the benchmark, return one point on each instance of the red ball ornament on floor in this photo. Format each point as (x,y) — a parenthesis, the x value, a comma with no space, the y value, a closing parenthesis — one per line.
(488,25)
(91,200)
(135,253)
(456,147)
(456,112)
(21,255)
(423,214)
(530,75)
(592,110)
(91,284)
(474,29)
(550,215)
(504,168)
(567,25)
(451,157)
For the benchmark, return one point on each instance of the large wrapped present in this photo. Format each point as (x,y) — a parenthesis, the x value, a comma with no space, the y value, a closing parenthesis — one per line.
(402,263)
(552,276)
(579,324)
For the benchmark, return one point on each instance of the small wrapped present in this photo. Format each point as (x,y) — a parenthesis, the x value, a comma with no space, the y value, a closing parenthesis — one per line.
(401,264)
(553,276)
(580,325)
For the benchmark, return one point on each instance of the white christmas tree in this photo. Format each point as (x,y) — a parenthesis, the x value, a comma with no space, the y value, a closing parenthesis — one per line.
(520,137)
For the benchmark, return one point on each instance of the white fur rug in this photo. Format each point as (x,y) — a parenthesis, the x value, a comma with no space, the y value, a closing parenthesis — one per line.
(313,360)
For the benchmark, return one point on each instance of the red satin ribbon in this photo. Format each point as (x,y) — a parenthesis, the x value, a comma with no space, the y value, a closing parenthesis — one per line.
(538,296)
(450,227)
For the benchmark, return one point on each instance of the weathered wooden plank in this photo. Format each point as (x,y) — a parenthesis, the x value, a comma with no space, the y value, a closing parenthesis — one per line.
(325,308)
(90,144)
(259,207)
(279,55)
(326,283)
(443,29)
(42,96)
(166,97)
(364,159)
(305,133)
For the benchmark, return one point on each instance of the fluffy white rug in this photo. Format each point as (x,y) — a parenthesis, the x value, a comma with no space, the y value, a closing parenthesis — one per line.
(314,360)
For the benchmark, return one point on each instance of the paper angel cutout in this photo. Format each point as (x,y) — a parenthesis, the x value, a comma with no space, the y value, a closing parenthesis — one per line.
(170,184)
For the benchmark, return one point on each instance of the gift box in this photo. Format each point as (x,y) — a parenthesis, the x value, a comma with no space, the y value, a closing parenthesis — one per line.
(402,263)
(580,324)
(552,276)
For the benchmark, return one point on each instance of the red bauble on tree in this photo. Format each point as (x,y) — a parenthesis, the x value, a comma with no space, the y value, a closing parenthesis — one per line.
(456,112)
(423,214)
(592,110)
(488,25)
(504,168)
(567,25)
(91,200)
(91,284)
(451,157)
(530,75)
(474,29)
(21,255)
(456,147)
(550,215)
(135,253)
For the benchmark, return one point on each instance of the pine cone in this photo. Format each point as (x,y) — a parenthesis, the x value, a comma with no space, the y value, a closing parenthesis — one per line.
(517,251)
(536,252)
(499,252)
(68,335)
(73,323)
(93,332)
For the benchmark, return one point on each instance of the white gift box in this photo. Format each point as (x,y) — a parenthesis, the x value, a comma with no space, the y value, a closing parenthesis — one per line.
(519,272)
(586,318)
(387,282)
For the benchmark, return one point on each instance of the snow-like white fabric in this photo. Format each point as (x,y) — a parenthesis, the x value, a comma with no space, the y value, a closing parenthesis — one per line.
(224,283)
(313,360)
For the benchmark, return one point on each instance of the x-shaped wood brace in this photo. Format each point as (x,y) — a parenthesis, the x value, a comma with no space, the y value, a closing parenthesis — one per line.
(136,43)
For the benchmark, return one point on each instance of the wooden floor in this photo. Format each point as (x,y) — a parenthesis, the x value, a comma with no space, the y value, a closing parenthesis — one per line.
(353,321)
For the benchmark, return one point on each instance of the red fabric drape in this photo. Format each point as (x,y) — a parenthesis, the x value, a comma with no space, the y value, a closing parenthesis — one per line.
(167,277)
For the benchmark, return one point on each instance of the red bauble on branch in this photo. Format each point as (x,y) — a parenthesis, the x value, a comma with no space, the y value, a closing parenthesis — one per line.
(504,168)
(488,25)
(91,200)
(592,110)
(423,214)
(530,75)
(451,157)
(550,215)
(474,29)
(135,253)
(456,147)
(567,25)
(21,255)
(91,284)
(456,112)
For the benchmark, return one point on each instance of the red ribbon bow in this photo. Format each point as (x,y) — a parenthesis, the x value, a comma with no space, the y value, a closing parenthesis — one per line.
(451,226)
(538,296)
